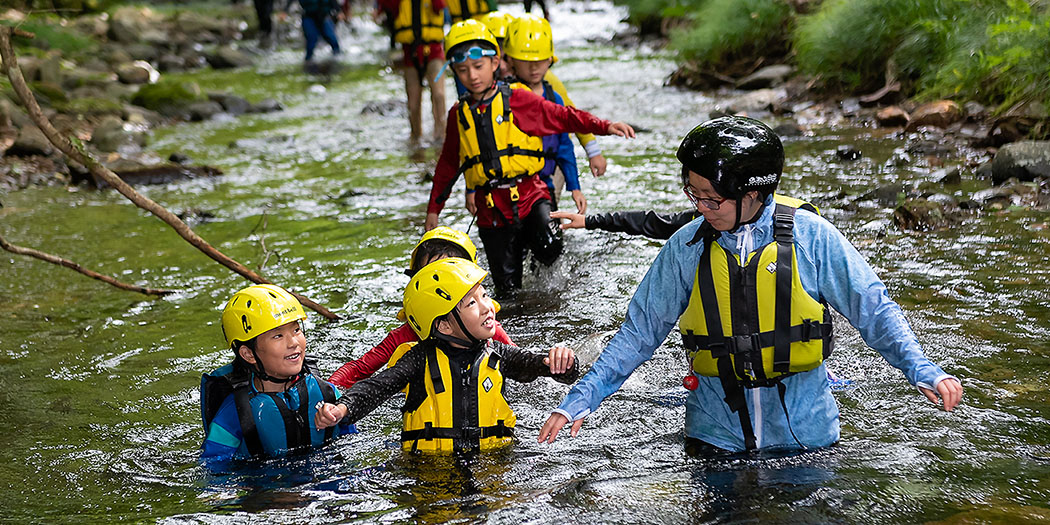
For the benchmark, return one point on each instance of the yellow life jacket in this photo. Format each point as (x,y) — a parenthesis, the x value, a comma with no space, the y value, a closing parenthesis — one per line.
(457,409)
(492,150)
(463,9)
(417,23)
(719,330)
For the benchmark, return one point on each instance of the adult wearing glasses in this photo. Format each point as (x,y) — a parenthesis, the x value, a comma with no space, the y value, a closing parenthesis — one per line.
(756,335)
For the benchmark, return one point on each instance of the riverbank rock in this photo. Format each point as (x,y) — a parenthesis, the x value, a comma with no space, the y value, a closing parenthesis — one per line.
(892,117)
(30,141)
(168,97)
(921,215)
(203,110)
(226,57)
(939,114)
(758,100)
(110,135)
(137,72)
(266,105)
(1025,160)
(231,104)
(768,76)
(130,23)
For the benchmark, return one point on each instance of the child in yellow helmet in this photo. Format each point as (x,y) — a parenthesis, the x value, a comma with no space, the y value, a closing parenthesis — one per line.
(436,244)
(455,374)
(418,25)
(264,402)
(501,165)
(530,53)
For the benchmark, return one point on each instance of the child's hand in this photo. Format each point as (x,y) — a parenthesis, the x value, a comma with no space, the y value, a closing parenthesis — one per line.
(580,200)
(472,206)
(598,164)
(622,129)
(432,222)
(576,220)
(560,359)
(328,415)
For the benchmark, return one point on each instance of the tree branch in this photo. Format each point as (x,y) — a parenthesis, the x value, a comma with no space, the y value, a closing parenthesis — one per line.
(74,149)
(54,259)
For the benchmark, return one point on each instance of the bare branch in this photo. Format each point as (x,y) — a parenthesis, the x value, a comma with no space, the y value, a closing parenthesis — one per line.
(75,150)
(54,259)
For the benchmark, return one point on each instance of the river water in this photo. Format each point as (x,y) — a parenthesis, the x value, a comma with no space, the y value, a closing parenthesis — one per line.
(99,386)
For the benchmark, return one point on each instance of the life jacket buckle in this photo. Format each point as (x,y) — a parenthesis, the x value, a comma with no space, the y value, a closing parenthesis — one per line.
(514,193)
(488,201)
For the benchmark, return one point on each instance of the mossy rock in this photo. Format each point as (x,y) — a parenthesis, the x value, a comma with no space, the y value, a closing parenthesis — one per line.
(55,94)
(167,95)
(92,106)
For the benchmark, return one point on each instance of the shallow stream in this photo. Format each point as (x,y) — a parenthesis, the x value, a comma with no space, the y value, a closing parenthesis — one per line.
(99,386)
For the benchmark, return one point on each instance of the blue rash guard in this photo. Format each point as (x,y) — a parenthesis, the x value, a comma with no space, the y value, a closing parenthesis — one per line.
(225,440)
(829,267)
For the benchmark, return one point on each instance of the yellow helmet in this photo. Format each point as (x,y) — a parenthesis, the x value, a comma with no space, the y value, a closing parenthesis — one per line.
(466,31)
(436,290)
(497,23)
(256,309)
(446,234)
(529,38)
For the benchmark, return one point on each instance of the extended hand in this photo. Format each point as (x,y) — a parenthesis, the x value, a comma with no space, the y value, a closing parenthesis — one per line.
(622,129)
(560,359)
(549,431)
(576,220)
(598,164)
(949,390)
(328,415)
(432,222)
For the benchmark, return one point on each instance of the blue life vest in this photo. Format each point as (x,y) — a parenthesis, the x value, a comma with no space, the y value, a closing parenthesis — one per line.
(271,422)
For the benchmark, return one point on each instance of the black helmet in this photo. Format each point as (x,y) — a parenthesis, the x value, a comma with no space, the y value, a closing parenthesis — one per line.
(737,154)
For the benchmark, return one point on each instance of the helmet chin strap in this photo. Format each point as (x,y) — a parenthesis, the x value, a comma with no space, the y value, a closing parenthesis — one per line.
(472,343)
(738,223)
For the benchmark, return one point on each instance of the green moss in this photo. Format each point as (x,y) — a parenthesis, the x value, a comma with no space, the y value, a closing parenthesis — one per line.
(167,93)
(91,106)
(51,34)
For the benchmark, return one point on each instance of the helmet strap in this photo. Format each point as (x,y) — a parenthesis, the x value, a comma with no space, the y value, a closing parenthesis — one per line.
(471,343)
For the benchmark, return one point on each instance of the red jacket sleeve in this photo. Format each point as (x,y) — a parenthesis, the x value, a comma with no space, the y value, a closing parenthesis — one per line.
(374,359)
(438,5)
(392,7)
(447,170)
(501,335)
(539,117)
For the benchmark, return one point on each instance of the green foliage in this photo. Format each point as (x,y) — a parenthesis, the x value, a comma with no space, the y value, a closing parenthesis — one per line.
(725,30)
(50,33)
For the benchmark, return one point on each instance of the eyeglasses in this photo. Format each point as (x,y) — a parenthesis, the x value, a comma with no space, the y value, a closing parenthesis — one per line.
(710,204)
(473,53)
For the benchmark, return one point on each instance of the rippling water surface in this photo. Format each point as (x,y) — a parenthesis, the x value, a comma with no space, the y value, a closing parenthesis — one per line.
(99,386)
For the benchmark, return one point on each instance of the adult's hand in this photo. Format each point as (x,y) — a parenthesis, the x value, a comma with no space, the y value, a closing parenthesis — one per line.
(949,390)
(432,222)
(598,164)
(549,431)
(576,220)
(622,129)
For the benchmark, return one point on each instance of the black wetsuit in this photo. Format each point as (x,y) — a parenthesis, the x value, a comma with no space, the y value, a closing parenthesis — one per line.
(648,223)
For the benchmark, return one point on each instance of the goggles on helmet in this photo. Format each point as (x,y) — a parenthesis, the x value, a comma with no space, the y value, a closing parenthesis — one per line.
(473,53)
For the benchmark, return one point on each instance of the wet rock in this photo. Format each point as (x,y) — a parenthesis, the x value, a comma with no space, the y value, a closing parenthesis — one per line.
(179,158)
(939,114)
(226,57)
(920,215)
(788,129)
(138,72)
(998,195)
(383,107)
(169,62)
(892,117)
(137,173)
(984,171)
(110,135)
(945,200)
(850,106)
(143,51)
(847,152)
(947,176)
(974,110)
(96,26)
(768,76)
(12,114)
(141,117)
(51,70)
(94,105)
(116,55)
(886,196)
(129,24)
(195,216)
(232,104)
(1024,160)
(759,100)
(30,141)
(79,77)
(877,227)
(266,105)
(169,97)
(203,110)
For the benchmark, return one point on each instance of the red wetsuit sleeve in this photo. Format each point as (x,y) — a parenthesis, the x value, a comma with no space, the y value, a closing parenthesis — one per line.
(501,335)
(438,5)
(539,117)
(392,7)
(447,170)
(374,359)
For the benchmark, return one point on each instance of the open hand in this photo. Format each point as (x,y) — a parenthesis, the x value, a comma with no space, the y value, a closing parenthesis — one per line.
(622,129)
(576,220)
(949,390)
(549,431)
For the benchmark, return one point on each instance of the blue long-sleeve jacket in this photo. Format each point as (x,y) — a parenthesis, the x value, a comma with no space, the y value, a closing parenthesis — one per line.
(829,267)
(565,154)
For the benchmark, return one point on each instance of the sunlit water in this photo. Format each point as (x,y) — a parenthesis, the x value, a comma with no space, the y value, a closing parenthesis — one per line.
(99,386)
